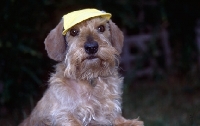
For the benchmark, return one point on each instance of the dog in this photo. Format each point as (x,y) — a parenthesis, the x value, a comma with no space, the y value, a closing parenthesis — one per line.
(86,88)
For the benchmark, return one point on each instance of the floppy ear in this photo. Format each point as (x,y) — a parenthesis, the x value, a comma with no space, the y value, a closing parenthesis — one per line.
(117,37)
(55,43)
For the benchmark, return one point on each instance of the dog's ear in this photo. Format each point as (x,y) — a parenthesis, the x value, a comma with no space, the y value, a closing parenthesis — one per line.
(55,43)
(117,37)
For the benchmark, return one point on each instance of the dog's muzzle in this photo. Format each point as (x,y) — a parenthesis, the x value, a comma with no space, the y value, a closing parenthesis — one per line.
(91,47)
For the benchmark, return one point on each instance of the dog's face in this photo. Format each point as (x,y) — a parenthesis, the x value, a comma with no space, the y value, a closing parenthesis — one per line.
(89,49)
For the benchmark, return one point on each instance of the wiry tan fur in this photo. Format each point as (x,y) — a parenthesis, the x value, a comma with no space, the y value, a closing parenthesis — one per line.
(83,92)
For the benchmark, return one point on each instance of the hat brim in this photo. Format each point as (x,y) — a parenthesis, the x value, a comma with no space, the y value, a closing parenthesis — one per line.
(76,17)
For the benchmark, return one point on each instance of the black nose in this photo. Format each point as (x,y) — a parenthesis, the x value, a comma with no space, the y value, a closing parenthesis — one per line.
(91,47)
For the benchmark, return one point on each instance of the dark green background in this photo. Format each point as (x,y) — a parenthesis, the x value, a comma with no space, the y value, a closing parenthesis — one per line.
(25,67)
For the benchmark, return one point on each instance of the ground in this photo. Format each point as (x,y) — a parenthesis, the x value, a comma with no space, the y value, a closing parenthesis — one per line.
(171,101)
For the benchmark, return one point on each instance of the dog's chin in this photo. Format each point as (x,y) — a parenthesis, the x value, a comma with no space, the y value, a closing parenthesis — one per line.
(93,67)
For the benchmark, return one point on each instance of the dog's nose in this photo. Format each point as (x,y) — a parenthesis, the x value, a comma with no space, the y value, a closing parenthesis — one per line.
(91,47)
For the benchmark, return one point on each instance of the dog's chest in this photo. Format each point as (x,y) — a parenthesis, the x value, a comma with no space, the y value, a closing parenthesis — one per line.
(96,93)
(98,102)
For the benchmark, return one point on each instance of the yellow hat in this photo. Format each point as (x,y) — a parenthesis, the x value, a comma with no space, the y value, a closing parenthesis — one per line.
(76,17)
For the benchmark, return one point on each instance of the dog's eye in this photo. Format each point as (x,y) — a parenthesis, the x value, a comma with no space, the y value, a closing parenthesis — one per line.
(73,32)
(101,28)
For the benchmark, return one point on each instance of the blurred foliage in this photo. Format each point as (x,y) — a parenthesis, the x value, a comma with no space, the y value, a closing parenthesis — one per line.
(182,17)
(22,61)
(24,65)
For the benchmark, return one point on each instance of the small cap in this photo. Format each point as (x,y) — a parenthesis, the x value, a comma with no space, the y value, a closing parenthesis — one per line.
(76,17)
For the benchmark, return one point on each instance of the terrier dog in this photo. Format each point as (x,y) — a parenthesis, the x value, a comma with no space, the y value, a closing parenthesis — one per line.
(85,89)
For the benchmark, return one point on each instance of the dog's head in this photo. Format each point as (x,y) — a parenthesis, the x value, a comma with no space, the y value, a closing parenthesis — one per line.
(89,49)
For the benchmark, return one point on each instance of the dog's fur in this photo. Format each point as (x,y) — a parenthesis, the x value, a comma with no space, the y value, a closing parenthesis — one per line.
(85,90)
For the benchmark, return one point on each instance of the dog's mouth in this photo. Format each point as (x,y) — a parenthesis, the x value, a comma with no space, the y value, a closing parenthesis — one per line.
(91,57)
